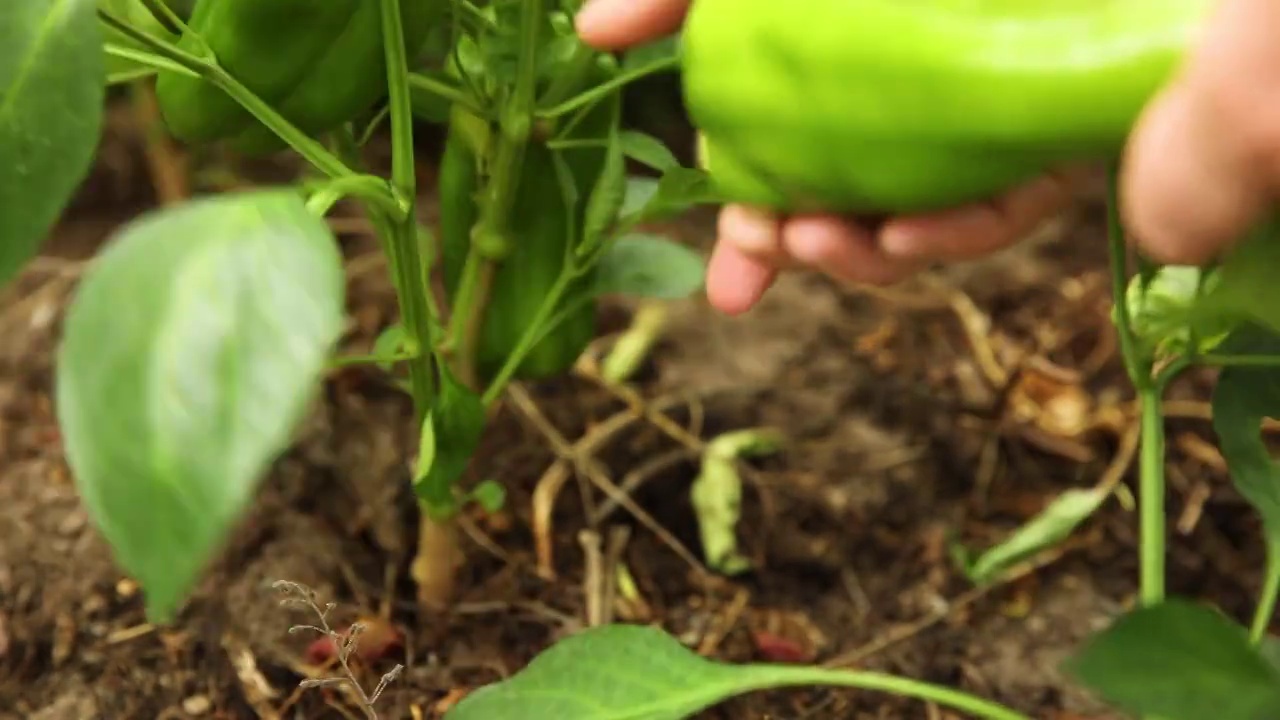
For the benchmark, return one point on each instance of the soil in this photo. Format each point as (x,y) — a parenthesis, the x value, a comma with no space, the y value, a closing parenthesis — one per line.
(905,431)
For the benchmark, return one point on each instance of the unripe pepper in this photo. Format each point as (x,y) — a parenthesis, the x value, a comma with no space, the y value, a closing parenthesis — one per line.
(543,232)
(317,63)
(885,106)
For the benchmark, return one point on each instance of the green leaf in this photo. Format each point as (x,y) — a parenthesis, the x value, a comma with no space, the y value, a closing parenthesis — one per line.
(1243,397)
(389,343)
(640,192)
(648,150)
(453,428)
(614,672)
(1172,308)
(191,350)
(490,495)
(1246,286)
(678,190)
(652,53)
(51,98)
(136,14)
(643,265)
(606,198)
(1179,661)
(1050,527)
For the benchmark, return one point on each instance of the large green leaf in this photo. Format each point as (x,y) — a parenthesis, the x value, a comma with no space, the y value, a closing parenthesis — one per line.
(51,98)
(191,350)
(629,672)
(615,672)
(1245,396)
(1180,661)
(645,265)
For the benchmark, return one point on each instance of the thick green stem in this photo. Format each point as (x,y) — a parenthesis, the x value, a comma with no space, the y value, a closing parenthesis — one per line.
(1151,491)
(1267,599)
(402,234)
(491,237)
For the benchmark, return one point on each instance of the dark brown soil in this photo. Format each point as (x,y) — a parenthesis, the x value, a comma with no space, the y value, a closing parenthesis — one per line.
(898,440)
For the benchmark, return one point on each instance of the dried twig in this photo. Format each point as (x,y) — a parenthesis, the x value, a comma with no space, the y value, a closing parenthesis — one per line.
(301,595)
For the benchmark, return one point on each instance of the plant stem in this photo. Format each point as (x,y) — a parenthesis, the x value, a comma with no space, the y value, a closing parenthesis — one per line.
(491,236)
(1138,368)
(306,146)
(612,85)
(1267,600)
(402,233)
(783,676)
(1151,489)
(452,93)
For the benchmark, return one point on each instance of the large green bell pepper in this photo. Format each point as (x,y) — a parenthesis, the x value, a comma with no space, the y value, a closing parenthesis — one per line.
(886,106)
(319,64)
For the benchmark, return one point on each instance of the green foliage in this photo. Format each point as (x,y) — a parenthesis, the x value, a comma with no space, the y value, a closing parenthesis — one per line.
(1048,528)
(1180,661)
(191,350)
(451,433)
(197,339)
(51,96)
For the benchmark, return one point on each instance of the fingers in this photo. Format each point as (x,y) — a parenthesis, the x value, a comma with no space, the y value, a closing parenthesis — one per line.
(615,24)
(736,281)
(843,251)
(1203,163)
(977,230)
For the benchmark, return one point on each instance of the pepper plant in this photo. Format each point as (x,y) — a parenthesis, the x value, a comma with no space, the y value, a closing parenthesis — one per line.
(200,334)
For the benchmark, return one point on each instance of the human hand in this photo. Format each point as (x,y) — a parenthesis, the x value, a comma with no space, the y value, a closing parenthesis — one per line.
(1203,164)
(752,246)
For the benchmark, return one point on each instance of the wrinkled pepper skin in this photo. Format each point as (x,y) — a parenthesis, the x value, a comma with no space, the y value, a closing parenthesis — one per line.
(885,106)
(318,63)
(542,230)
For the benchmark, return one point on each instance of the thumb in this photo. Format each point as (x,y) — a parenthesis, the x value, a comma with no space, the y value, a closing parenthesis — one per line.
(1203,163)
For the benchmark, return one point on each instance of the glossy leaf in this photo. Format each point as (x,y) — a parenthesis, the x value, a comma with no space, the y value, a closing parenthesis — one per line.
(451,433)
(191,351)
(51,99)
(643,265)
(617,672)
(1180,661)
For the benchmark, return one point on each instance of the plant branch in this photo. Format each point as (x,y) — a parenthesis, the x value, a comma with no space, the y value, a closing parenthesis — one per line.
(1139,370)
(307,147)
(402,232)
(452,93)
(612,85)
